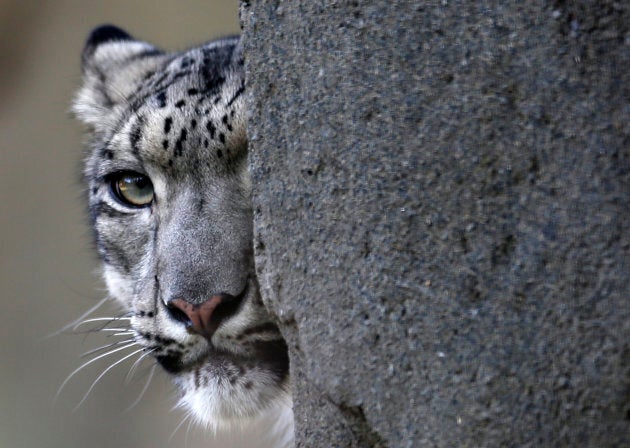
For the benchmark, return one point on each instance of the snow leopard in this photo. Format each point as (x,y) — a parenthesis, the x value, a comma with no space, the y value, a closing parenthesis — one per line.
(169,200)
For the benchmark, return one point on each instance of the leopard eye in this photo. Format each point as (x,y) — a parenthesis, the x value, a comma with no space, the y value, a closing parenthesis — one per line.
(132,189)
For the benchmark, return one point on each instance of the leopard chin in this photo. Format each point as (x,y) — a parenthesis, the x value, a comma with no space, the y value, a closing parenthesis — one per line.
(218,404)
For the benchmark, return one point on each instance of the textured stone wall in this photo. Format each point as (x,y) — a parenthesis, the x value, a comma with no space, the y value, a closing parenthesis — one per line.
(442,224)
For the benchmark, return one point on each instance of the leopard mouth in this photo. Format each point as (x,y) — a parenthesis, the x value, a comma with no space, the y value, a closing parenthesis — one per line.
(173,362)
(269,355)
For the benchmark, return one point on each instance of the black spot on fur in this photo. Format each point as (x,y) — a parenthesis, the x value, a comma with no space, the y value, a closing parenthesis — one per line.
(178,75)
(165,340)
(238,93)
(205,143)
(193,123)
(161,99)
(157,82)
(192,91)
(136,135)
(219,153)
(180,104)
(222,137)
(179,144)
(167,124)
(108,154)
(171,363)
(214,59)
(227,124)
(165,144)
(211,129)
(186,62)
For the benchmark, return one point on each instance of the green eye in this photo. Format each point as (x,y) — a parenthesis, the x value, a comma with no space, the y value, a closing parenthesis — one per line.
(132,189)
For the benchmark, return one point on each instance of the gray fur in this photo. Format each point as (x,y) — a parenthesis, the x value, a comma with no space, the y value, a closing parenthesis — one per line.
(179,119)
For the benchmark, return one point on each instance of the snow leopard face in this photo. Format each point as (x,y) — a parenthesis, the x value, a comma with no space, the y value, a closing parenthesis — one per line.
(169,201)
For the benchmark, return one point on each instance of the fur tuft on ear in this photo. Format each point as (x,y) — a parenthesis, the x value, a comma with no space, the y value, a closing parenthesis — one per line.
(114,64)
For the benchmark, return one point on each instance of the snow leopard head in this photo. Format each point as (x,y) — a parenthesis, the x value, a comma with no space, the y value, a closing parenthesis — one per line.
(169,202)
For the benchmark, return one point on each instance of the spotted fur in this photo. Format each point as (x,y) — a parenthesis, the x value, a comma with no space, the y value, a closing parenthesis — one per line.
(179,120)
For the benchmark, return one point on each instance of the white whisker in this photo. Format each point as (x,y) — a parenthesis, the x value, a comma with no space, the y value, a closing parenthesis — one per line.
(82,366)
(144,389)
(113,344)
(103,374)
(186,417)
(99,319)
(135,365)
(187,433)
(79,319)
(100,330)
(124,333)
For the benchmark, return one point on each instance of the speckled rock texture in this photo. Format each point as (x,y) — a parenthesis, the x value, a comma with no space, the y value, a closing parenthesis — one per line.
(442,217)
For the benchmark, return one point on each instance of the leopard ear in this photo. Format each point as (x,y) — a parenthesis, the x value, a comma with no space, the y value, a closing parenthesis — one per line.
(113,64)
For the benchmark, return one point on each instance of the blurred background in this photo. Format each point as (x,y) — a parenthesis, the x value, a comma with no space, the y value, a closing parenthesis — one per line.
(48,274)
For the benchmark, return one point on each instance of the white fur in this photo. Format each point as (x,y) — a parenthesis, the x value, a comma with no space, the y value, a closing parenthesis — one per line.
(273,428)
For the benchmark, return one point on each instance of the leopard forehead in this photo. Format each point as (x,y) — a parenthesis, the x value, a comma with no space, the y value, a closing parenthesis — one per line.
(186,117)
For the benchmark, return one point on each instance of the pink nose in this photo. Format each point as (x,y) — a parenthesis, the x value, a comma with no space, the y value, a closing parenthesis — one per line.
(199,316)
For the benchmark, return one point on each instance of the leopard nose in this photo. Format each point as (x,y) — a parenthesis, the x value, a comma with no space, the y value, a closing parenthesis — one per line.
(203,318)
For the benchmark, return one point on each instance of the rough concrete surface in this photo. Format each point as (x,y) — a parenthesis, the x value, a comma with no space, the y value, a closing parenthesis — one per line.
(441,195)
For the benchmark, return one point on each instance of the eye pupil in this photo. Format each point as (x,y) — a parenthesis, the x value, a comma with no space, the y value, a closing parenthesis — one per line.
(132,189)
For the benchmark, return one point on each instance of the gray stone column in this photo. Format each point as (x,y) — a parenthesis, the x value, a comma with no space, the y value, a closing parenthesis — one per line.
(441,194)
